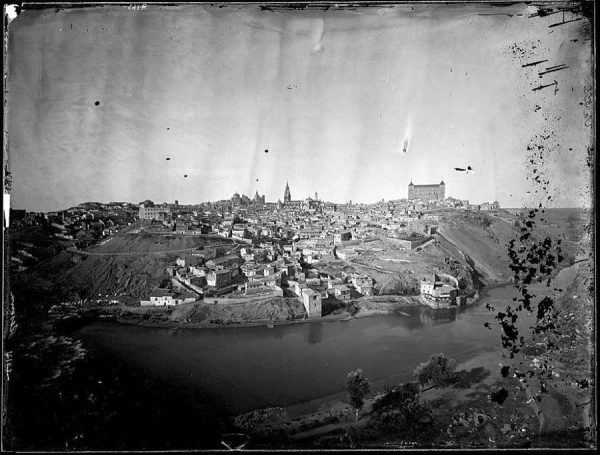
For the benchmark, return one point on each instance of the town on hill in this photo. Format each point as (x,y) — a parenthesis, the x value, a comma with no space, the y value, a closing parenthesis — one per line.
(209,264)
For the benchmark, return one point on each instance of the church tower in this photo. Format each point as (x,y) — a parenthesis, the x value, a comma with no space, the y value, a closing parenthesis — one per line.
(287,196)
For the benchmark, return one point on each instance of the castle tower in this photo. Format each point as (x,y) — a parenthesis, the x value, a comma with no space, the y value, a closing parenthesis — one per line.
(287,197)
(411,189)
(442,190)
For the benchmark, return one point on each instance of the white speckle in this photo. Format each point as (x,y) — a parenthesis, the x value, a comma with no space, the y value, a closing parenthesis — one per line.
(11,12)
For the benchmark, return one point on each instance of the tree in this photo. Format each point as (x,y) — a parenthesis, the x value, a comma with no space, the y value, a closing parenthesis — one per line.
(398,409)
(438,371)
(358,387)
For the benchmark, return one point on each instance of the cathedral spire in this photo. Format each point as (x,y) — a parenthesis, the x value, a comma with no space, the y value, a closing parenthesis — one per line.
(287,197)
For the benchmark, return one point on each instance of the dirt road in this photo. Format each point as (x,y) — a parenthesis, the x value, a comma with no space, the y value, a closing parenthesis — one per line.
(144,253)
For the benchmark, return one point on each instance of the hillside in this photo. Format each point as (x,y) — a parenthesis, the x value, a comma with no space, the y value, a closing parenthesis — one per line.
(474,254)
(149,243)
(127,264)
(273,310)
(489,254)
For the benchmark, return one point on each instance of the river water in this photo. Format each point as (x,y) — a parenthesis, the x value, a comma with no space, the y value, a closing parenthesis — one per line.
(159,388)
(249,368)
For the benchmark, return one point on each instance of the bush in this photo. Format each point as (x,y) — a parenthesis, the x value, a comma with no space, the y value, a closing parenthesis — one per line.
(352,308)
(439,371)
(395,397)
(262,421)
(398,409)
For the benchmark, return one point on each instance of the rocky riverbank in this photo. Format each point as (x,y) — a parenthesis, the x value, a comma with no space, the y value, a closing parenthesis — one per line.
(200,315)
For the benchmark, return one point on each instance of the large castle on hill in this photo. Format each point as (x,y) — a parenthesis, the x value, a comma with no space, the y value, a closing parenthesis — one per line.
(427,192)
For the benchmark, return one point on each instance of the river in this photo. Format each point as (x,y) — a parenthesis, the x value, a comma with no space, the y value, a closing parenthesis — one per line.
(158,388)
(248,368)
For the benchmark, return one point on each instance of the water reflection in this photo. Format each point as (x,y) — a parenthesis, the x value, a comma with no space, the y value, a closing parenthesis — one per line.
(410,318)
(430,317)
(314,332)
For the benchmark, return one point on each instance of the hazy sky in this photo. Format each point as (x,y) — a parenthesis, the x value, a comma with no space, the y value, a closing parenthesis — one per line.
(332,95)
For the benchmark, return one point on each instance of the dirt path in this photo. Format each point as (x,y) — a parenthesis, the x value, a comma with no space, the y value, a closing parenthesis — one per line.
(331,427)
(142,253)
(377,269)
(326,429)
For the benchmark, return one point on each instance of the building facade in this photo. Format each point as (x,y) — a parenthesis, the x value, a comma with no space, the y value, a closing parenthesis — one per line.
(427,192)
(154,212)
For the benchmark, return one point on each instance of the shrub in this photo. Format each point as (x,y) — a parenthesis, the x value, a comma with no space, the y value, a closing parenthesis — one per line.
(352,308)
(395,397)
(398,409)
(439,371)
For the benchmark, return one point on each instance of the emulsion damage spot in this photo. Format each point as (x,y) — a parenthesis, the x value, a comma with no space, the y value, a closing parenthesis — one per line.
(499,396)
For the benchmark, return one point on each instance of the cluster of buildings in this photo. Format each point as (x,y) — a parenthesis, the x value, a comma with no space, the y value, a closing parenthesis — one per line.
(79,226)
(277,244)
(439,291)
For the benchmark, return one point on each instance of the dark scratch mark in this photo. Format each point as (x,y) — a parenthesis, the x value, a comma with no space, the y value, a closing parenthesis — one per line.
(544,86)
(533,63)
(552,70)
(566,22)
(542,12)
(556,66)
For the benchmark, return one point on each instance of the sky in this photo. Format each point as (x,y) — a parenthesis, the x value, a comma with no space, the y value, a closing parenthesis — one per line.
(99,98)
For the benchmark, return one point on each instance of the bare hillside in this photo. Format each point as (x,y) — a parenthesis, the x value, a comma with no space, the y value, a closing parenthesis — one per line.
(148,243)
(72,275)
(275,309)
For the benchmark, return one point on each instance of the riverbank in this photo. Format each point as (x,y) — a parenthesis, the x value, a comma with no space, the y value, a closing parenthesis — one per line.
(459,416)
(455,417)
(465,416)
(236,315)
(161,317)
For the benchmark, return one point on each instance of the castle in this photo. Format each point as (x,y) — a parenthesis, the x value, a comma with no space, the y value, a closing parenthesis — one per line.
(427,192)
